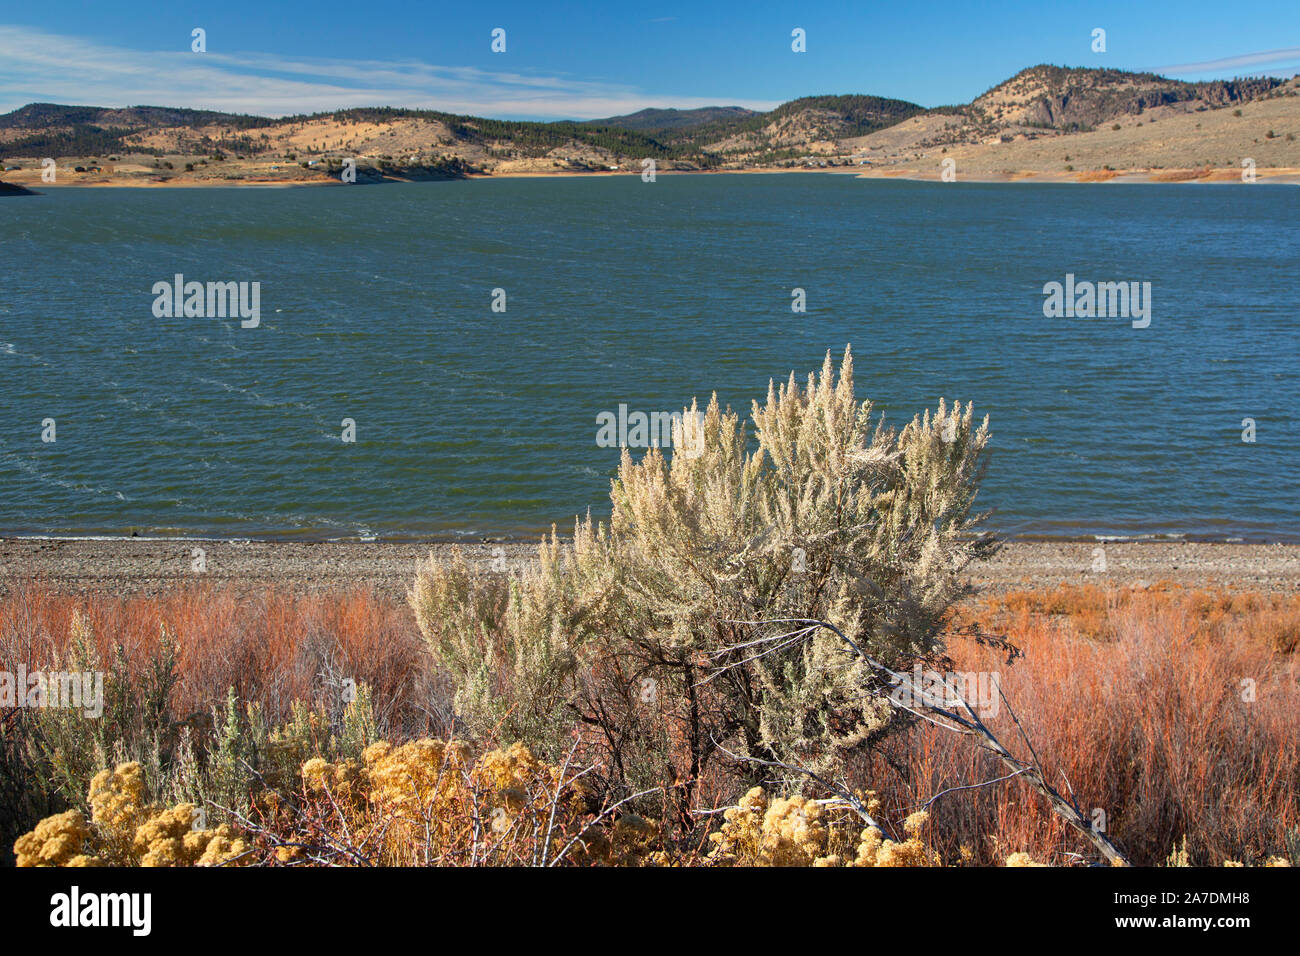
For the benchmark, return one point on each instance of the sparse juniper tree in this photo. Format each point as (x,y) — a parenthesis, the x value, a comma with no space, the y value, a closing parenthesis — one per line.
(632,630)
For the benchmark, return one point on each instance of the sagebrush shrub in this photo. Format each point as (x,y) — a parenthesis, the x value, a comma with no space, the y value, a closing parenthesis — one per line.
(633,628)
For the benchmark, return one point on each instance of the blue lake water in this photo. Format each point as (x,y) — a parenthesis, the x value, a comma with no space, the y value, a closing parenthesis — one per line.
(375,306)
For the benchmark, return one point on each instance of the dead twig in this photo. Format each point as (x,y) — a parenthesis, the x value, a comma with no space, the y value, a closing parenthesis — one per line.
(962,720)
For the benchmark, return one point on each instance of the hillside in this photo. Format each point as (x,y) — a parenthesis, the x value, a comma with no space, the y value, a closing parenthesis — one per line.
(1051,123)
(48,129)
(1071,100)
(1161,144)
(653,121)
(677,139)
(1039,105)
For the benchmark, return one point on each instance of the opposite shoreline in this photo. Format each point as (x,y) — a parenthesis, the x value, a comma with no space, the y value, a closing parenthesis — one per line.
(154,566)
(1178,176)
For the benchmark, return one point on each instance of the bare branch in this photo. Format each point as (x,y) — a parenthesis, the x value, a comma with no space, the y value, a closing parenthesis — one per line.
(971,725)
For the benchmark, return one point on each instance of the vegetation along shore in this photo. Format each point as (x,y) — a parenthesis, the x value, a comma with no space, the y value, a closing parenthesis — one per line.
(1045,124)
(835,668)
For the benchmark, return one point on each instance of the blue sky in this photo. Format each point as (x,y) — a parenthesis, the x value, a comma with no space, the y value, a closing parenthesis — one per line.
(598,59)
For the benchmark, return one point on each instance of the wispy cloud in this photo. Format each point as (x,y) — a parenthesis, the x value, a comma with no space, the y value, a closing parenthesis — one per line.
(36,66)
(1280,61)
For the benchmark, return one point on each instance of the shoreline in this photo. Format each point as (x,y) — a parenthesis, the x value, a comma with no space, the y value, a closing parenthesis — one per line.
(1176,176)
(529,537)
(153,566)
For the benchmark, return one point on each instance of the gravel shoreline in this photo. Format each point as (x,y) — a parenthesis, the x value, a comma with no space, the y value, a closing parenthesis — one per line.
(139,566)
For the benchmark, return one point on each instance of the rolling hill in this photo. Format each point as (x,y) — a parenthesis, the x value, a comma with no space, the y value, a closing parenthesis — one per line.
(1037,104)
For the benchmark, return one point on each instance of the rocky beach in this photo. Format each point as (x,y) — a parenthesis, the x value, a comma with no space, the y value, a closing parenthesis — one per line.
(142,566)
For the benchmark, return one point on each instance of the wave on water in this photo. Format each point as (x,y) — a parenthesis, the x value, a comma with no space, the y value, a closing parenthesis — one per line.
(472,423)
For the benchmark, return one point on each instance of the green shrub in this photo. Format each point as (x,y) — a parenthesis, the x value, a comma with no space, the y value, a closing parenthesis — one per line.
(632,629)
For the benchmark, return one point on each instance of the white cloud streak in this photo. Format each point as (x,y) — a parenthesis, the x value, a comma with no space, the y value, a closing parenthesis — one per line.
(1269,58)
(36,66)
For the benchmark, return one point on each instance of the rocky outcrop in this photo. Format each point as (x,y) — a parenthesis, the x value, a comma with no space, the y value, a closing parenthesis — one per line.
(1070,99)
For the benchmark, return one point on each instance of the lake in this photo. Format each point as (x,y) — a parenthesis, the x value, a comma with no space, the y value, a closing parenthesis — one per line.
(376,306)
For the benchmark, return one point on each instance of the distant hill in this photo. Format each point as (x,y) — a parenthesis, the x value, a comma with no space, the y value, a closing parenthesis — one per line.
(49,129)
(1038,103)
(1072,99)
(53,116)
(811,124)
(672,120)
(700,138)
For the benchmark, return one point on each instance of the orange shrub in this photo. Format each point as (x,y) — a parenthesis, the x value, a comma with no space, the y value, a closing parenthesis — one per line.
(1169,712)
(1179,723)
(273,647)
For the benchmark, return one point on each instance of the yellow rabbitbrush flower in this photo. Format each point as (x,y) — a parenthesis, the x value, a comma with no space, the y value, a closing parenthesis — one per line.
(787,831)
(416,777)
(56,841)
(344,780)
(169,839)
(874,850)
(124,830)
(1269,862)
(1179,856)
(512,773)
(740,840)
(793,831)
(430,773)
(117,808)
(428,801)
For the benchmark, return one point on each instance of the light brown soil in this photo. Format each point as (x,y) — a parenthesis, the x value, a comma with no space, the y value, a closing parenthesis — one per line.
(151,566)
